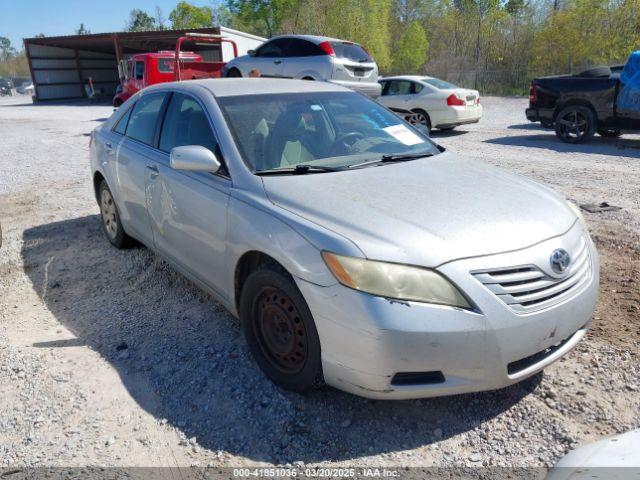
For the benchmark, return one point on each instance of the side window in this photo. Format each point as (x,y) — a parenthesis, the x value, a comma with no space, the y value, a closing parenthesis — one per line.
(138,74)
(274,48)
(121,126)
(416,87)
(302,48)
(185,124)
(385,88)
(144,117)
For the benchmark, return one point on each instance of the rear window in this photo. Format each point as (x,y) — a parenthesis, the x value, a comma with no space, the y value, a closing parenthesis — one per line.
(165,65)
(351,51)
(439,84)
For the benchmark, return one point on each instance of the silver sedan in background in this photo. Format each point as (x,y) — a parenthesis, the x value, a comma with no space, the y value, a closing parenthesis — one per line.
(353,249)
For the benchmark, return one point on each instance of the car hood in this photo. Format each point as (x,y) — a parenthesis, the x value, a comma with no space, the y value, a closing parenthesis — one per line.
(427,211)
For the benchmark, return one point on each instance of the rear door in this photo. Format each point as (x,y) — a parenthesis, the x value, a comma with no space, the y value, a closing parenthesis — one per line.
(353,63)
(269,58)
(133,152)
(188,210)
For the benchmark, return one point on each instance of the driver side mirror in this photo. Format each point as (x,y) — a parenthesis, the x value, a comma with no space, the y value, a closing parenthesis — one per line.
(251,53)
(194,158)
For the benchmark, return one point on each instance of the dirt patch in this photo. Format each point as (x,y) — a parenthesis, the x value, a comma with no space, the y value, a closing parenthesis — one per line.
(617,317)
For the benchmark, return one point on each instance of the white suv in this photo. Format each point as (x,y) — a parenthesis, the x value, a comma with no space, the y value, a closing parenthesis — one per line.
(310,57)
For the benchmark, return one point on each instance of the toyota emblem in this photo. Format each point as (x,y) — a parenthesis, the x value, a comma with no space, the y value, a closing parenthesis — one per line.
(560,260)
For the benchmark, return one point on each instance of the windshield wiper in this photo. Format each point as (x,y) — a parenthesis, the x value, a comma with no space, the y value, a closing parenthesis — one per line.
(403,157)
(298,170)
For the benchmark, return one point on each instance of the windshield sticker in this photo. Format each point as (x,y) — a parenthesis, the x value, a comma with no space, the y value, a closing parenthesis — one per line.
(317,108)
(403,134)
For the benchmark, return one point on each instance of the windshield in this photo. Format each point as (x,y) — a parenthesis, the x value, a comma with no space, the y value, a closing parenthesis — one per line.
(324,129)
(439,84)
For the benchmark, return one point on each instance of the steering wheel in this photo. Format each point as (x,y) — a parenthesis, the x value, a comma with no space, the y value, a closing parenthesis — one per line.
(344,142)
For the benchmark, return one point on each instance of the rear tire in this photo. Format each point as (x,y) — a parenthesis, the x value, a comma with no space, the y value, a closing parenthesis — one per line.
(110,216)
(420,118)
(575,124)
(609,133)
(234,73)
(280,330)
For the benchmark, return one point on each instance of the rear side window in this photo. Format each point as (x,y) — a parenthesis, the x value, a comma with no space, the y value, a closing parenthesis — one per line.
(302,48)
(351,51)
(186,124)
(439,84)
(121,126)
(144,117)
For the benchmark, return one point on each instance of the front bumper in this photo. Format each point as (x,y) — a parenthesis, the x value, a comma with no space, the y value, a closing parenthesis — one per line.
(367,340)
(372,89)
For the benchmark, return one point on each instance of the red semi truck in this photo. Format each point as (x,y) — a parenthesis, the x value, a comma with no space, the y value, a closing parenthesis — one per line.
(144,69)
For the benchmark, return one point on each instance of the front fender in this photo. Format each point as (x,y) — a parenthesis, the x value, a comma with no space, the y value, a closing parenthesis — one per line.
(257,225)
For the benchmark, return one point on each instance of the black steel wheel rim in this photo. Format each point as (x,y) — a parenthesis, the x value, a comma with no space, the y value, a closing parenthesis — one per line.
(280,331)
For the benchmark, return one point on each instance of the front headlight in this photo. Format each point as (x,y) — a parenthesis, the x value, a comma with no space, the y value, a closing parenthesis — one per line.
(392,280)
(577,211)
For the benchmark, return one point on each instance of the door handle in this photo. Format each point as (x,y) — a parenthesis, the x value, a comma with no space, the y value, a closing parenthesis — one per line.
(153,171)
(277,62)
(108,147)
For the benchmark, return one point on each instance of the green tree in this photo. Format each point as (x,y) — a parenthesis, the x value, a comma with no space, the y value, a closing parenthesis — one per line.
(140,21)
(262,17)
(82,30)
(410,52)
(6,50)
(186,16)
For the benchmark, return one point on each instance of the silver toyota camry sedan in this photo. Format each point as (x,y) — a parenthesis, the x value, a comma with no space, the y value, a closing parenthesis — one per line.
(354,250)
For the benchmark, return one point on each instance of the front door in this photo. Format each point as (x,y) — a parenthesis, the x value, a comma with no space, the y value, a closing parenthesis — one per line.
(188,210)
(270,57)
(397,94)
(132,154)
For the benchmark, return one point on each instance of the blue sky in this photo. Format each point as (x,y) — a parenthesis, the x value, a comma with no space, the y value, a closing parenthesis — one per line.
(26,18)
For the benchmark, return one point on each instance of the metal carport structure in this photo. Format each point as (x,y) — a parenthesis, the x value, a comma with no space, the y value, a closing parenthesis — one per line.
(61,66)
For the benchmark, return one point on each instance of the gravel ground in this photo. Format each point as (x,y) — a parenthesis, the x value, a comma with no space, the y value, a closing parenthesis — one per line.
(110,358)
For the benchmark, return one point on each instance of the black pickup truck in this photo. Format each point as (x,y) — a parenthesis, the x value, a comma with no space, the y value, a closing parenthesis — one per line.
(578,106)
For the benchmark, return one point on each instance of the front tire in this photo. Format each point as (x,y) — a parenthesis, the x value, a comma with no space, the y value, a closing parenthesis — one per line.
(234,73)
(280,330)
(110,216)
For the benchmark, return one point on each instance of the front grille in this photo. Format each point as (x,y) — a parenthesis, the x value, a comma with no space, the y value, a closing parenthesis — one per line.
(527,288)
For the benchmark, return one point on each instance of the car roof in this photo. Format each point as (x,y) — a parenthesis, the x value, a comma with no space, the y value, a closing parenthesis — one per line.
(313,38)
(406,77)
(227,87)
